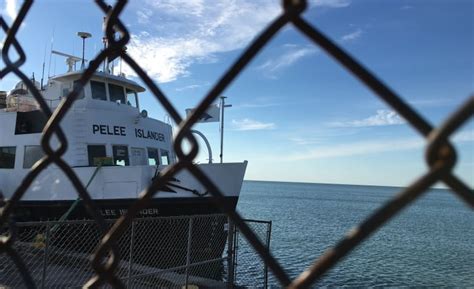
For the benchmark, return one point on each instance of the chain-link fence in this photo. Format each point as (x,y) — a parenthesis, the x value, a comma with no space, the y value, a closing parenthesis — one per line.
(440,153)
(249,271)
(167,252)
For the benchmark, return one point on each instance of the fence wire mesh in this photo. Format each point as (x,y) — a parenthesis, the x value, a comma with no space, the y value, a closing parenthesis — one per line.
(248,270)
(440,153)
(192,250)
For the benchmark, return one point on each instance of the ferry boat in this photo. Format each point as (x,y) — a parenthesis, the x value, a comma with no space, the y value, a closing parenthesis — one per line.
(105,127)
(115,149)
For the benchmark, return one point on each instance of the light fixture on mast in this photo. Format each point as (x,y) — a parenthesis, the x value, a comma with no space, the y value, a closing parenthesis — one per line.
(83,35)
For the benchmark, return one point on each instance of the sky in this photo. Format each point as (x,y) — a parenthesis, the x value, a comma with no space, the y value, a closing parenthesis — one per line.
(296,114)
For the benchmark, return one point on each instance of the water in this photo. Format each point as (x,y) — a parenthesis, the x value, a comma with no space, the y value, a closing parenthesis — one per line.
(430,244)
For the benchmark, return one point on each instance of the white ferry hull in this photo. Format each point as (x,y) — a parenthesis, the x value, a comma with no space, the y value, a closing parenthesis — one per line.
(209,233)
(114,189)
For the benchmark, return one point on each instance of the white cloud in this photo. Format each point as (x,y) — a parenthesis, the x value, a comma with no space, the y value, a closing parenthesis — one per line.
(10,9)
(193,32)
(381,118)
(179,33)
(189,7)
(249,124)
(352,36)
(143,16)
(464,136)
(357,148)
(305,141)
(293,54)
(433,102)
(371,147)
(192,86)
(261,102)
(331,3)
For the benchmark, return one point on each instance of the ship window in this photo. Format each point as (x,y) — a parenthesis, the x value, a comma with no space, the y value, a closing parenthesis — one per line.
(116,93)
(98,90)
(121,155)
(165,159)
(138,157)
(30,122)
(81,93)
(32,155)
(153,159)
(7,157)
(66,92)
(96,154)
(131,97)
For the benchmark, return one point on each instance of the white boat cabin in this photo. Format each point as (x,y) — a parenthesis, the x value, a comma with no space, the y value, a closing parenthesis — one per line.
(104,125)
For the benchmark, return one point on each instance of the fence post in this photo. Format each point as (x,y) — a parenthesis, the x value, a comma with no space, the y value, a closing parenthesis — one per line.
(265,268)
(188,253)
(230,254)
(45,259)
(236,249)
(130,256)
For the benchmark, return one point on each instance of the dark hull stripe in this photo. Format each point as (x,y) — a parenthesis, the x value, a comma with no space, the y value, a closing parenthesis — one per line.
(52,210)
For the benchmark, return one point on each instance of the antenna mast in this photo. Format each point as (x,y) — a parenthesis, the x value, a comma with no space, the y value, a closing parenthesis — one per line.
(44,60)
(50,54)
(222,106)
(84,36)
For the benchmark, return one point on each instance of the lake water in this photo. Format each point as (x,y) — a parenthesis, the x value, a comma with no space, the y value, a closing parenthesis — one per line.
(430,244)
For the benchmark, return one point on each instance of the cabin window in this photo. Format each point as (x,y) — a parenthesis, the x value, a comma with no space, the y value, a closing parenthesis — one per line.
(165,158)
(120,155)
(7,157)
(96,154)
(153,159)
(66,89)
(81,93)
(32,155)
(131,97)
(30,122)
(116,93)
(98,90)
(66,92)
(138,157)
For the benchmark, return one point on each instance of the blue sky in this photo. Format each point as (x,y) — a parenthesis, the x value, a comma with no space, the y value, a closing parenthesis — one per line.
(296,114)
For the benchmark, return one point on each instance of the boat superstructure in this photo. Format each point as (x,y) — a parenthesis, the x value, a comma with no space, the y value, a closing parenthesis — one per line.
(113,147)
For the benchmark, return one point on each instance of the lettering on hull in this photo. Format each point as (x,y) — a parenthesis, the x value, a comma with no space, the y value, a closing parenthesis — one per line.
(105,129)
(152,212)
(140,133)
(108,130)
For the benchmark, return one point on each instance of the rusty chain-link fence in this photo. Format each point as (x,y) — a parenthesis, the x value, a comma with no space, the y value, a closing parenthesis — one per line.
(440,153)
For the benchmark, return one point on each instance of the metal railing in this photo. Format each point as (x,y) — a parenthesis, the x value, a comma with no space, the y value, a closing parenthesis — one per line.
(164,252)
(440,153)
